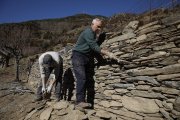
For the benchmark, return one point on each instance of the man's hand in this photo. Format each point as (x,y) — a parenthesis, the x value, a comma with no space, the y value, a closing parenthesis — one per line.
(49,89)
(112,56)
(43,90)
(101,38)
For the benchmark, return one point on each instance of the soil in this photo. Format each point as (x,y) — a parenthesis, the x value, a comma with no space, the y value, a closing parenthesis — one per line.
(16,100)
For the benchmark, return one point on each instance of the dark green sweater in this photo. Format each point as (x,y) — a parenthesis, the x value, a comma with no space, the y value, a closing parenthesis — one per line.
(87,42)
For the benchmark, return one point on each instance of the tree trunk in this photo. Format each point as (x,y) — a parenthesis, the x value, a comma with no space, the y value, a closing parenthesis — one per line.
(17,68)
(7,61)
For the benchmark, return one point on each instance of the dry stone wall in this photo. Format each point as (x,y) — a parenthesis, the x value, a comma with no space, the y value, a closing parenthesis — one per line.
(149,87)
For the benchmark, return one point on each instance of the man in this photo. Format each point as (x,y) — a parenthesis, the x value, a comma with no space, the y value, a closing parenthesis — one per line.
(50,63)
(83,63)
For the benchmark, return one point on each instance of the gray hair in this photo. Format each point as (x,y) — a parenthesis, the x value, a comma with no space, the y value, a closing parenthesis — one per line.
(96,20)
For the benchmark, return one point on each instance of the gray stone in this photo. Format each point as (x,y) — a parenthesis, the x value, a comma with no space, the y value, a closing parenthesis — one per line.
(150,29)
(127,114)
(143,87)
(173,19)
(122,37)
(167,106)
(159,103)
(175,68)
(165,114)
(152,56)
(138,104)
(166,90)
(60,105)
(170,60)
(104,104)
(177,104)
(131,27)
(115,104)
(178,26)
(148,25)
(152,118)
(75,115)
(103,114)
(172,84)
(143,78)
(122,85)
(167,77)
(147,94)
(166,46)
(45,115)
(28,116)
(141,52)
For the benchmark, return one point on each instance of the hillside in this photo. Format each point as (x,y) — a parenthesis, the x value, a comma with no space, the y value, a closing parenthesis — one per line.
(40,35)
(145,89)
(43,34)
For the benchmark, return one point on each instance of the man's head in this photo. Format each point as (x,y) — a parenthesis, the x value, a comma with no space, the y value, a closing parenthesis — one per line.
(47,64)
(47,61)
(96,25)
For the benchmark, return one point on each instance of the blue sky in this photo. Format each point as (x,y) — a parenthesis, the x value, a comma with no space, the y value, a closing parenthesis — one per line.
(24,10)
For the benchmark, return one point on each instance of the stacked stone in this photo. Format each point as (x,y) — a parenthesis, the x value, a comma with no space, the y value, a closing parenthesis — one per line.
(34,76)
(148,87)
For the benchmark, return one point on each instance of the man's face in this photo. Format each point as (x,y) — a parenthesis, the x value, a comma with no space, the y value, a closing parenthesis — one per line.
(97,26)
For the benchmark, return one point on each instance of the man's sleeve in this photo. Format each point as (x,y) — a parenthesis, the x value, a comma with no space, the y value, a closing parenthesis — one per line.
(89,37)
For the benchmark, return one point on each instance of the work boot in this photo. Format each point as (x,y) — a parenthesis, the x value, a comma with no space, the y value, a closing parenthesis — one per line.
(82,105)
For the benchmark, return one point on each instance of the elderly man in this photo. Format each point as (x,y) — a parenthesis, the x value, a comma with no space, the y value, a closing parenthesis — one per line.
(50,63)
(83,63)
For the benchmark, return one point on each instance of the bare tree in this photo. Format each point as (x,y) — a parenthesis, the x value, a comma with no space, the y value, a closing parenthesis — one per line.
(5,54)
(16,38)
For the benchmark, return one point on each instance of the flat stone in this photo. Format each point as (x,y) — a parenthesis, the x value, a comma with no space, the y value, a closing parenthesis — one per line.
(45,115)
(103,114)
(152,56)
(143,87)
(138,104)
(152,118)
(116,97)
(122,37)
(75,115)
(142,78)
(165,114)
(148,25)
(28,116)
(166,90)
(166,46)
(177,104)
(60,105)
(104,104)
(115,104)
(175,68)
(127,114)
(168,77)
(147,94)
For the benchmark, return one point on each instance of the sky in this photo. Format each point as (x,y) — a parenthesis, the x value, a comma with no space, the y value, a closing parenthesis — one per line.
(14,11)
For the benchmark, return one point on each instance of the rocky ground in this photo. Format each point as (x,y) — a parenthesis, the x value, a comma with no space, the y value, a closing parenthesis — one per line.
(17,103)
(15,98)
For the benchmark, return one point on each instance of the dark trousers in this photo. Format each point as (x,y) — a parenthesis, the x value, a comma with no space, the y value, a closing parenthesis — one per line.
(83,66)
